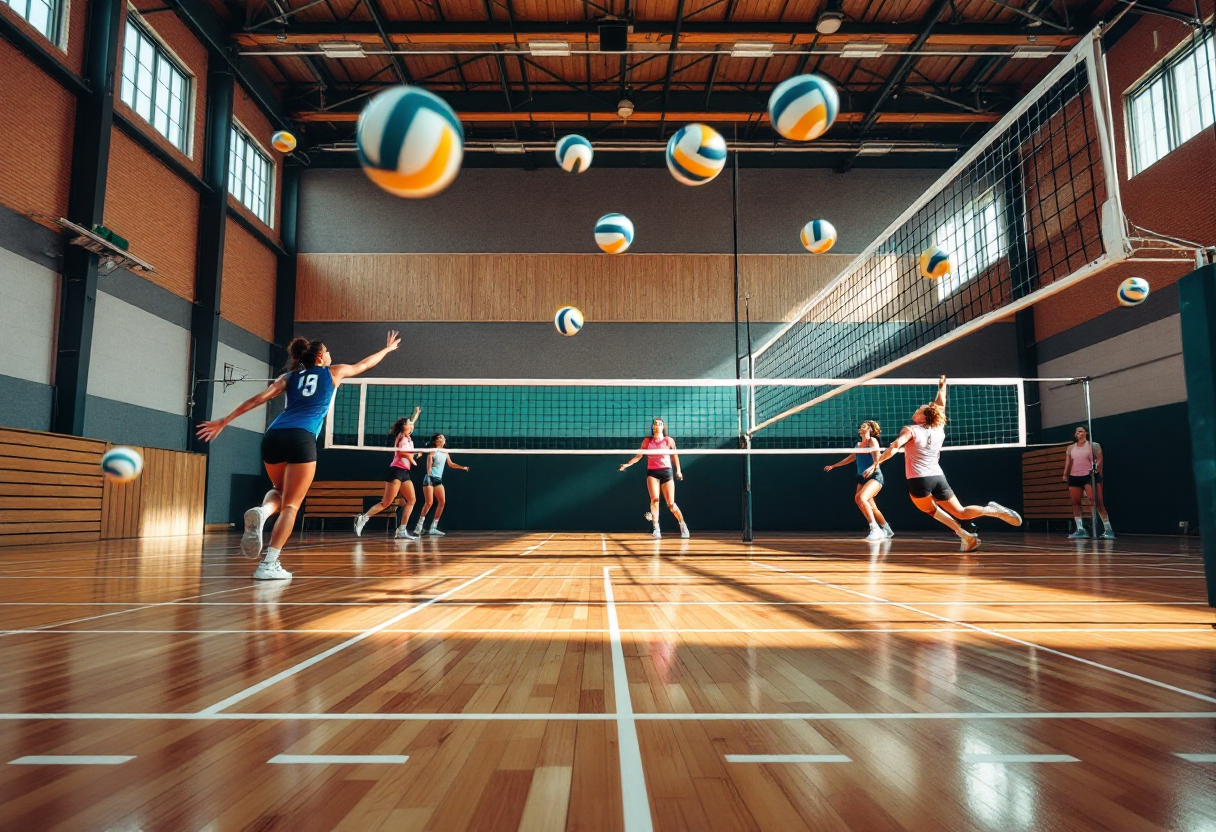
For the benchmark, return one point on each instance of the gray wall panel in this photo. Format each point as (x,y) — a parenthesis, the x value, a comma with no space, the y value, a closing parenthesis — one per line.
(25,404)
(1162,303)
(129,424)
(21,235)
(235,477)
(147,296)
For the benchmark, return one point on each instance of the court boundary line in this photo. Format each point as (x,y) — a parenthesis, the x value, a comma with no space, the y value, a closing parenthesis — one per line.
(1188,628)
(253,690)
(1053,651)
(635,801)
(272,716)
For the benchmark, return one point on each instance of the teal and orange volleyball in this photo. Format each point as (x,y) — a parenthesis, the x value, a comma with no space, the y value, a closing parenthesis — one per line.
(283,141)
(818,236)
(410,142)
(696,153)
(802,108)
(934,263)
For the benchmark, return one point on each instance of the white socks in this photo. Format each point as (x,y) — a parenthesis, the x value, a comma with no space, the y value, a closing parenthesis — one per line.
(272,556)
(1080,525)
(874,526)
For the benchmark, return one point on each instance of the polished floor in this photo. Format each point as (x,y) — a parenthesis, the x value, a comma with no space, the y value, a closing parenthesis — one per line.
(608,682)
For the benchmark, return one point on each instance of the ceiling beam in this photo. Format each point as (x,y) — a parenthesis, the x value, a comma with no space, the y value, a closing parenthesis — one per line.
(498,116)
(653,33)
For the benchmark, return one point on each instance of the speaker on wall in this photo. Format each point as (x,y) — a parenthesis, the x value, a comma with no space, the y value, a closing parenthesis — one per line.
(614,36)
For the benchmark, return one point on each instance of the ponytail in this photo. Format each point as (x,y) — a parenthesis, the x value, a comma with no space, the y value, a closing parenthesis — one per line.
(397,429)
(303,353)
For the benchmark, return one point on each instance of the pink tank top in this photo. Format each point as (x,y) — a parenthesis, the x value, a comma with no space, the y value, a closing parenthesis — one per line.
(655,461)
(404,444)
(1081,460)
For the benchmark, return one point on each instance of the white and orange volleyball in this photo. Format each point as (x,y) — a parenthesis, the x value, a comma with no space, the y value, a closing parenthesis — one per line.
(818,236)
(283,141)
(614,233)
(696,153)
(410,142)
(802,108)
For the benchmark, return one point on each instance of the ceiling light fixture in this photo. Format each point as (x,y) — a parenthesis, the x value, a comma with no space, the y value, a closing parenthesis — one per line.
(509,148)
(752,49)
(549,48)
(829,20)
(624,108)
(1031,51)
(863,49)
(342,49)
(875,149)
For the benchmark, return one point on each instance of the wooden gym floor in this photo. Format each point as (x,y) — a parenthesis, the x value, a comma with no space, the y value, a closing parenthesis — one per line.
(592,682)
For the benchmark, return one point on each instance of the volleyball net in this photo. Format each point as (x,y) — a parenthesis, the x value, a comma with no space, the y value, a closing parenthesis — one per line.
(1030,210)
(705,416)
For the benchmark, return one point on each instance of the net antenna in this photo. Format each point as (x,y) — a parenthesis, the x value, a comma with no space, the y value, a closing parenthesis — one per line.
(1030,210)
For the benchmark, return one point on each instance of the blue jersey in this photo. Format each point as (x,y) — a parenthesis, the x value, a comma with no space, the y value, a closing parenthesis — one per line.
(864,460)
(309,392)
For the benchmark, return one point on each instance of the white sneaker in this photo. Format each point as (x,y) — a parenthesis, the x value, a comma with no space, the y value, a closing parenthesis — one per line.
(1007,514)
(888,531)
(251,541)
(1109,534)
(971,542)
(272,571)
(360,522)
(435,531)
(876,534)
(417,529)
(649,517)
(403,533)
(656,533)
(684,531)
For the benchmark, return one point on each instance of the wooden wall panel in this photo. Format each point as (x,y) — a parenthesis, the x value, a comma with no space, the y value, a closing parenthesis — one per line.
(693,288)
(50,488)
(166,501)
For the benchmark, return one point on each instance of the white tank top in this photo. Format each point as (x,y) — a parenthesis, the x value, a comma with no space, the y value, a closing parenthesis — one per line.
(921,454)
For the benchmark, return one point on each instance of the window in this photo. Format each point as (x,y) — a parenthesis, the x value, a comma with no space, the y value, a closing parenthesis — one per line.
(249,175)
(154,86)
(1172,105)
(43,15)
(974,240)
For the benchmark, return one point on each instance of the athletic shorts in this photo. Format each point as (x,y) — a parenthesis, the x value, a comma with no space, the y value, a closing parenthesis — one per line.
(290,445)
(1081,482)
(935,487)
(399,474)
(432,481)
(661,474)
(876,476)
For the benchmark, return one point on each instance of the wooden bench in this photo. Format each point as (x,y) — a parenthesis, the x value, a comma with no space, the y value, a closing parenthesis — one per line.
(328,499)
(1044,494)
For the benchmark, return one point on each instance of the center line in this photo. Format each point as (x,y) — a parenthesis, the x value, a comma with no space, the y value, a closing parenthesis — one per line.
(241,696)
(633,781)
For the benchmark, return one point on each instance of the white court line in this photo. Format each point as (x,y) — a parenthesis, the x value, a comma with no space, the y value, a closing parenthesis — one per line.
(1019,758)
(585,717)
(1196,628)
(252,690)
(913,578)
(633,780)
(338,759)
(1197,758)
(787,758)
(70,760)
(1006,637)
(396,601)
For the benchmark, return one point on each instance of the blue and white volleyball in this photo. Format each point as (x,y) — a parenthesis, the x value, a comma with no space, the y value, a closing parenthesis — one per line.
(122,464)
(803,107)
(934,263)
(574,153)
(410,142)
(1133,291)
(613,233)
(818,236)
(568,320)
(696,154)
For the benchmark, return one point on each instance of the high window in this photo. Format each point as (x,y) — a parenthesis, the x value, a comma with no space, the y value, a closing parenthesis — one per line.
(154,86)
(973,239)
(43,15)
(250,175)
(1172,104)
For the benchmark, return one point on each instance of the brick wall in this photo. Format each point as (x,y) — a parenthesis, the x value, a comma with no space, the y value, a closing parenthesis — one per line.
(249,282)
(245,111)
(1175,196)
(35,138)
(72,30)
(156,210)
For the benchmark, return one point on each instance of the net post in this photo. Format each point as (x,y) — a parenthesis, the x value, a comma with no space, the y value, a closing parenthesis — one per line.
(748,528)
(362,412)
(1093,469)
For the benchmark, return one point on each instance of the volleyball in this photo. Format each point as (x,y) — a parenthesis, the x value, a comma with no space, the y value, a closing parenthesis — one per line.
(696,154)
(283,141)
(574,153)
(613,233)
(568,320)
(818,236)
(122,464)
(803,107)
(410,142)
(1133,291)
(934,263)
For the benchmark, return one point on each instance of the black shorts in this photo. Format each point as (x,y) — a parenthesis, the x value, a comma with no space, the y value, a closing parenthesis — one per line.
(862,479)
(431,481)
(935,487)
(399,474)
(290,445)
(1081,482)
(661,474)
